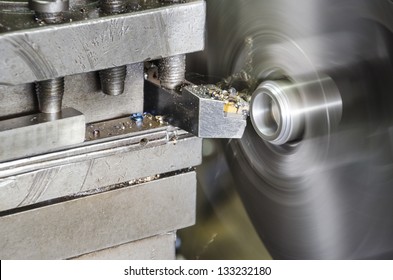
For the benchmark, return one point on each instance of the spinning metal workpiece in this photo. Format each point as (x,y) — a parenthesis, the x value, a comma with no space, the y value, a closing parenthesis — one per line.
(315,166)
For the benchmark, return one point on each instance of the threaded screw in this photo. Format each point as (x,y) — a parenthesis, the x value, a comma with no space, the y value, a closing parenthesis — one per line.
(50,95)
(50,18)
(171,71)
(112,79)
(111,7)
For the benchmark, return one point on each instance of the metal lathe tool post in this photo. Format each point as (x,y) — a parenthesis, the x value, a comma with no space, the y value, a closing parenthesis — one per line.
(100,177)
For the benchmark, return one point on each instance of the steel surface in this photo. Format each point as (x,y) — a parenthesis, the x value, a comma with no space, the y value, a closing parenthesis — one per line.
(159,247)
(189,110)
(100,43)
(83,93)
(42,178)
(40,133)
(100,221)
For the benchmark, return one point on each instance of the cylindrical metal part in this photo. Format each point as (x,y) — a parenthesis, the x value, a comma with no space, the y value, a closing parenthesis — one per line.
(49,6)
(111,7)
(50,95)
(171,71)
(50,11)
(277,112)
(112,80)
(50,18)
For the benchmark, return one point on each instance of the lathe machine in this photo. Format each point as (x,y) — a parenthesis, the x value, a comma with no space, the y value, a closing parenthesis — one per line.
(101,126)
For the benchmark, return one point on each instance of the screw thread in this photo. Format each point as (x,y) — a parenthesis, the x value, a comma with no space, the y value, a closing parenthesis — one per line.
(50,18)
(172,70)
(50,92)
(111,7)
(50,95)
(112,80)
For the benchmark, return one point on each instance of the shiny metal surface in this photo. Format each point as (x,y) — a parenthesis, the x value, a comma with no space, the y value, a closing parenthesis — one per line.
(276,112)
(327,195)
(279,109)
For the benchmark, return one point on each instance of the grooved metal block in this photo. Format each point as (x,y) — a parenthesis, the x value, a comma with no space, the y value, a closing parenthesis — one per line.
(78,170)
(159,247)
(48,52)
(95,222)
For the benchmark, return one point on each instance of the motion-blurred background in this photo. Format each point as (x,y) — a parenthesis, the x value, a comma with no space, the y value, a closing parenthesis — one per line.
(327,193)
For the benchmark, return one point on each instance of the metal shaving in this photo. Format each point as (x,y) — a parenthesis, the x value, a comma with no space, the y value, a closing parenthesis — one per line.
(234,100)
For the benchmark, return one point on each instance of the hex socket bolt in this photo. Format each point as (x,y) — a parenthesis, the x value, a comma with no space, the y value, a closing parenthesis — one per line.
(112,79)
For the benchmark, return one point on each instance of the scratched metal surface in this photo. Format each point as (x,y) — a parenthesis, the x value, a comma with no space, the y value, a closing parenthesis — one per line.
(47,52)
(159,247)
(42,178)
(83,225)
